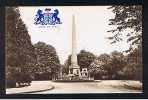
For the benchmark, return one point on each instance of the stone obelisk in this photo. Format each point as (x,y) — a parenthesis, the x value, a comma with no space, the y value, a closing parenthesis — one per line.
(74,68)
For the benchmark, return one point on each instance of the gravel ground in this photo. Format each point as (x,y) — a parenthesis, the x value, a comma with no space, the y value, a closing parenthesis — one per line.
(36,86)
(99,86)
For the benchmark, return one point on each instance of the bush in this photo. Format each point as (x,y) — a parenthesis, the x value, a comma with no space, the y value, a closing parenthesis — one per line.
(10,83)
(43,76)
(23,78)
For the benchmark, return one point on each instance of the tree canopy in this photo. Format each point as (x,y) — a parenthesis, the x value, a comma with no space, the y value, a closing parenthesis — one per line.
(84,59)
(20,56)
(47,59)
(127,18)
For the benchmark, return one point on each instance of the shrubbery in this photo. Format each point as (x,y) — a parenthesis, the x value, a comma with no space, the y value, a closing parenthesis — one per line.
(117,66)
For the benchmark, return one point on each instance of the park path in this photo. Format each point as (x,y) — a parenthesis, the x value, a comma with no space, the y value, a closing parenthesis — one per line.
(105,86)
(35,86)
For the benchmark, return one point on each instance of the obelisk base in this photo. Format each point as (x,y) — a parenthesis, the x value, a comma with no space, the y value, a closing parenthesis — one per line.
(74,71)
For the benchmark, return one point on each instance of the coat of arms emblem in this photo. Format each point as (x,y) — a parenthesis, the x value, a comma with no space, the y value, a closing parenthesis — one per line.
(47,17)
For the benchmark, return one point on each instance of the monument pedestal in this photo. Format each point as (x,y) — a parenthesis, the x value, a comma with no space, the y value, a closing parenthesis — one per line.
(74,70)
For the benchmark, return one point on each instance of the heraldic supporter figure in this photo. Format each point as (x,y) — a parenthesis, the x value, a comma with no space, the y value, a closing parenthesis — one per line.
(47,18)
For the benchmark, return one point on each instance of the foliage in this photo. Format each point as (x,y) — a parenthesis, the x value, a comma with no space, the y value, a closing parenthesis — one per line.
(97,67)
(107,66)
(116,64)
(85,58)
(65,68)
(20,55)
(133,69)
(67,63)
(47,59)
(127,18)
(111,66)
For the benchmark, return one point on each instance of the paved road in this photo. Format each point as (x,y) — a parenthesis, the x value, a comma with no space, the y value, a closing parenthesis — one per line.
(108,86)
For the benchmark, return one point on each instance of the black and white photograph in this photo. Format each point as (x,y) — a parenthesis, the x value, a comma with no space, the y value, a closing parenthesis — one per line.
(73,49)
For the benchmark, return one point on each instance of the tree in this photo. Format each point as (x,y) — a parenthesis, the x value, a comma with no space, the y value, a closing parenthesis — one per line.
(104,58)
(115,65)
(65,67)
(97,67)
(47,60)
(84,58)
(20,57)
(127,18)
(133,68)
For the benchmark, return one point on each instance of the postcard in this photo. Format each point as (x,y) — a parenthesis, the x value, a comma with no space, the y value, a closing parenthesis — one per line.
(73,49)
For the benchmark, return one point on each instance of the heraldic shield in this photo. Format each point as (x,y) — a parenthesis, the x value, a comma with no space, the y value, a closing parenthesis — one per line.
(47,18)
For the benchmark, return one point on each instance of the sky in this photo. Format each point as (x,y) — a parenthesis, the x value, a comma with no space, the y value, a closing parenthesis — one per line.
(91,24)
